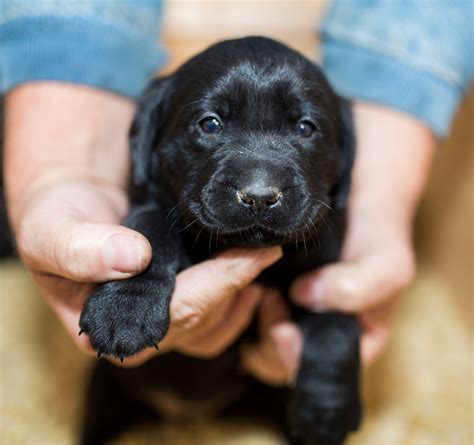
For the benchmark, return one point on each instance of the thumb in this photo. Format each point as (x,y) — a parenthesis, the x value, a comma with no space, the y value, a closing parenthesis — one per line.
(85,252)
(207,284)
(354,286)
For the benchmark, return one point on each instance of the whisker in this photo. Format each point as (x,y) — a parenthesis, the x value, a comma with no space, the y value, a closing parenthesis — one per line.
(178,218)
(197,236)
(210,241)
(304,244)
(327,224)
(324,204)
(317,233)
(179,203)
(189,225)
(217,236)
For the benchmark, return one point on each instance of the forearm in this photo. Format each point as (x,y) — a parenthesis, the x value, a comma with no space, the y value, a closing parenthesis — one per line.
(59,132)
(393,158)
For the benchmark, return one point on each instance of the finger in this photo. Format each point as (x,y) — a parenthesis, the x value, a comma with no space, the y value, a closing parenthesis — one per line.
(373,343)
(275,358)
(273,310)
(354,286)
(236,320)
(85,252)
(375,330)
(205,286)
(218,317)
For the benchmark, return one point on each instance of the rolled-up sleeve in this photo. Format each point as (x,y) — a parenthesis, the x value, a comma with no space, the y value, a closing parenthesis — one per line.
(415,56)
(108,44)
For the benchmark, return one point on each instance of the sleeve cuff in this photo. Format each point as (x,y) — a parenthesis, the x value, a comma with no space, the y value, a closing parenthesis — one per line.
(361,74)
(78,50)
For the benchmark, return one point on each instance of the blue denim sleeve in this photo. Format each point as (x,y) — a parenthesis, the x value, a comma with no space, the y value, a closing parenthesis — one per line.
(415,56)
(108,44)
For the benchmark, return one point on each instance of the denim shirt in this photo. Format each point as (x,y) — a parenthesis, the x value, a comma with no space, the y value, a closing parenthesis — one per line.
(108,44)
(412,55)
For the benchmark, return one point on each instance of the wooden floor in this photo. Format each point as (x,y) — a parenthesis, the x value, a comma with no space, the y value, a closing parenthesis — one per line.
(420,391)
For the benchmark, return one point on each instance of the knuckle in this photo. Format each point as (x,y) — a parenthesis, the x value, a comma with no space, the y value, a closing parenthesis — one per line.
(187,317)
(348,288)
(74,256)
(71,251)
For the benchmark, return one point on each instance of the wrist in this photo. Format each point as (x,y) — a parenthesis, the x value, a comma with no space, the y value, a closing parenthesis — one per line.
(393,158)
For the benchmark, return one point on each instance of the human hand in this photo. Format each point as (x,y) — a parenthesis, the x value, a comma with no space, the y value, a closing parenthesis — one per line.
(392,163)
(66,172)
(66,164)
(213,302)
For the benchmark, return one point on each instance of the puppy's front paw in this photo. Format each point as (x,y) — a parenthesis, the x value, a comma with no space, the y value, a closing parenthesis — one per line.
(122,318)
(322,421)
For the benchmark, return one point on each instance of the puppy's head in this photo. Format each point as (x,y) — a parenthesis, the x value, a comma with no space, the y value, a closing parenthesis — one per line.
(249,138)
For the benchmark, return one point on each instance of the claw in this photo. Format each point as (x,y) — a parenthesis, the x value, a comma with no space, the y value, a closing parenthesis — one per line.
(99,354)
(80,332)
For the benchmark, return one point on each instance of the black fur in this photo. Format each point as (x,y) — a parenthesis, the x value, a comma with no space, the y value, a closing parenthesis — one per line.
(254,182)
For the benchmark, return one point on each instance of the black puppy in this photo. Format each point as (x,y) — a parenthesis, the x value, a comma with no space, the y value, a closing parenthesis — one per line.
(251,141)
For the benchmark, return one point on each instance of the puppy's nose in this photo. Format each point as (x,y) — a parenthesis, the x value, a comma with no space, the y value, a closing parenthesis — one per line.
(259,197)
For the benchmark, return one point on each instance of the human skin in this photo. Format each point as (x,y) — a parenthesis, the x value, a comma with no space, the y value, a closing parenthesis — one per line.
(67,200)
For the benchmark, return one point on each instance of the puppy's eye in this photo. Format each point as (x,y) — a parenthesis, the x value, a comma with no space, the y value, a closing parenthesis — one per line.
(210,125)
(305,128)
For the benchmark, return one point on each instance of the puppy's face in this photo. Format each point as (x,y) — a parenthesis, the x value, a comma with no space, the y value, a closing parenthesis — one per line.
(250,142)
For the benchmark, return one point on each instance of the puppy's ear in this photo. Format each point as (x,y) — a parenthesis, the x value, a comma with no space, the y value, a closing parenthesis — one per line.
(346,140)
(146,127)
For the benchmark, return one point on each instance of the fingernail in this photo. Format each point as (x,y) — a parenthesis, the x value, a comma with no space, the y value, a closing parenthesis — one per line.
(123,253)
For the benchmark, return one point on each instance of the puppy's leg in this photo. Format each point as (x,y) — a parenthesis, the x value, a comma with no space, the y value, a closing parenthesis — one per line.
(325,404)
(124,317)
(109,410)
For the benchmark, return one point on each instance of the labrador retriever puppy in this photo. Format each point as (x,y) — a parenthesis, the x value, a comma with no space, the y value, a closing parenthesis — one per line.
(251,142)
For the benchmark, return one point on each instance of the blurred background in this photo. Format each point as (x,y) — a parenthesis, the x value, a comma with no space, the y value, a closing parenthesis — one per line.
(420,392)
